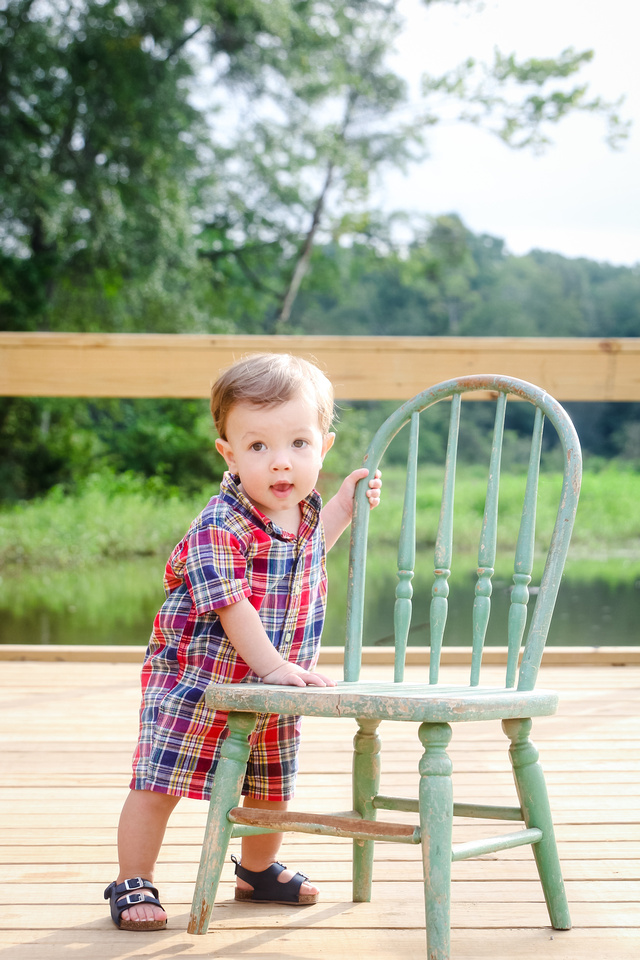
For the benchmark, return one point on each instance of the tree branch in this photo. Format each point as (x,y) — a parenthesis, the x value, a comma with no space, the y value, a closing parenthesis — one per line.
(183,41)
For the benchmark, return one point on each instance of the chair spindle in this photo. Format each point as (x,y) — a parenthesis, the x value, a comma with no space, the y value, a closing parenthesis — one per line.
(444,546)
(487,548)
(523,564)
(406,555)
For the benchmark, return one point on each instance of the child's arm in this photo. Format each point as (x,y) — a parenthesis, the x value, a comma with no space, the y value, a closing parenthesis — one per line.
(244,630)
(336,514)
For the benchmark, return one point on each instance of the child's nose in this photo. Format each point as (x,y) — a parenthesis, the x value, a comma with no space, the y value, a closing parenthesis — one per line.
(281,460)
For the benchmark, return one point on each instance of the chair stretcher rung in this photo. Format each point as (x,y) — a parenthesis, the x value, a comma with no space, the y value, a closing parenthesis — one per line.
(242,830)
(324,825)
(407,804)
(487,812)
(476,810)
(476,848)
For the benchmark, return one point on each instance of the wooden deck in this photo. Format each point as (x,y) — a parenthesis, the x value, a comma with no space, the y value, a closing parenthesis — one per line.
(67,731)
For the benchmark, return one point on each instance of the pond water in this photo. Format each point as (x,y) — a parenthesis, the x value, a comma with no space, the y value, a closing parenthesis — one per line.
(116,604)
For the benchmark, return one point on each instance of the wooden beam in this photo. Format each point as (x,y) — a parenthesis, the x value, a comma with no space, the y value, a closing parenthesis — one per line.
(361,368)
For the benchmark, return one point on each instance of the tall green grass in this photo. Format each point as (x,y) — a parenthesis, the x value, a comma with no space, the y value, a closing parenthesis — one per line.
(114,517)
(109,517)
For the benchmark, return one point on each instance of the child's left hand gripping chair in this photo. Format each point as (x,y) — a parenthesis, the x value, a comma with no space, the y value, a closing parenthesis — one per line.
(433,705)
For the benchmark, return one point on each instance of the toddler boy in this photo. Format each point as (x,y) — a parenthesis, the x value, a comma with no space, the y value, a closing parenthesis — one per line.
(245,600)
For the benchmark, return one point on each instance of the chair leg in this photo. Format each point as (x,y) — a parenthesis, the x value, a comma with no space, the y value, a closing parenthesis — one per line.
(436,825)
(366,784)
(534,801)
(228,782)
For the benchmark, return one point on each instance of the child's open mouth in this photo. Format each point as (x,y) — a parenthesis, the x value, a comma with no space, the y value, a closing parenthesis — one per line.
(282,489)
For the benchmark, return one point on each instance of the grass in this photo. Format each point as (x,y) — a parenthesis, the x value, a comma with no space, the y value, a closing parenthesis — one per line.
(118,517)
(110,518)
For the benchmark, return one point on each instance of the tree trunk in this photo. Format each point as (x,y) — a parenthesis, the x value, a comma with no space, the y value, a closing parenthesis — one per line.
(302,264)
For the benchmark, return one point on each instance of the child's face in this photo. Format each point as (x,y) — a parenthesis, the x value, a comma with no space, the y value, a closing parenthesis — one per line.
(277,452)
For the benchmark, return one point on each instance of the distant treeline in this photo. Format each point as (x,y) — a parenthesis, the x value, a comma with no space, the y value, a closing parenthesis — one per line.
(448,280)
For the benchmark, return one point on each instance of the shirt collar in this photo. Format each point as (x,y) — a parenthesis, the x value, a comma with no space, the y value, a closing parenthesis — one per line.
(310,509)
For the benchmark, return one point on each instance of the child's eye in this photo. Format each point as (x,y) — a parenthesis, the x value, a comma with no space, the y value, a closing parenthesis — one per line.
(300,443)
(257,446)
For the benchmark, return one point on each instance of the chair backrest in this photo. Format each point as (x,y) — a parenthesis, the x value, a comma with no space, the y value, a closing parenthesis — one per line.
(546,408)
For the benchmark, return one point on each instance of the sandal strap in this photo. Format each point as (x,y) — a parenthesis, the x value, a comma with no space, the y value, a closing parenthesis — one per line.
(116,890)
(265,883)
(122,903)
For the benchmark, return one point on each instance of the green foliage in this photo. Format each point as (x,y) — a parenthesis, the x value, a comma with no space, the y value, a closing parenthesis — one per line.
(518,101)
(366,289)
(110,517)
(43,444)
(303,155)
(53,442)
(99,154)
(607,512)
(114,183)
(608,523)
(189,166)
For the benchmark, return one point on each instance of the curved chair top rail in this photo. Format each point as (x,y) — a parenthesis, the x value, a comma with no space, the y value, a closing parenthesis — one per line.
(500,387)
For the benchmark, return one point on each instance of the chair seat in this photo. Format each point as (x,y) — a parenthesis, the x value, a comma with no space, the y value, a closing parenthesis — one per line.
(385,701)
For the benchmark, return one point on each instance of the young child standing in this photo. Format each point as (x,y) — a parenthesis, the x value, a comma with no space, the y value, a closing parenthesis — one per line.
(245,598)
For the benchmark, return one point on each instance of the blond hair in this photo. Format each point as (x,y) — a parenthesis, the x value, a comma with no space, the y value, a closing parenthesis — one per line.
(267,379)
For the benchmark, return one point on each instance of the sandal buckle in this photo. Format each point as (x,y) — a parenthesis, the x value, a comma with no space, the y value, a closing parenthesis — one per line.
(134,883)
(134,898)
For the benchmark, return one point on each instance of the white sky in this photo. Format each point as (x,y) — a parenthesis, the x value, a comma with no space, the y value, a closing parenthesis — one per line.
(580,198)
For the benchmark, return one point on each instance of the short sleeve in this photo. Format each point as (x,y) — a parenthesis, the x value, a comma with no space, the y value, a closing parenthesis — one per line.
(215,569)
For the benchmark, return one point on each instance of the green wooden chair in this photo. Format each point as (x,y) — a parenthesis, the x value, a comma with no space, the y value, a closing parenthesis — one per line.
(431,704)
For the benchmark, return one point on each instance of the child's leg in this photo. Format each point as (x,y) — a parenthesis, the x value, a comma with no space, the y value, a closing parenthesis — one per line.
(141,830)
(259,852)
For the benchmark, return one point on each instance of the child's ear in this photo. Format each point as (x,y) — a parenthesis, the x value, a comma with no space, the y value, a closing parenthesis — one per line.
(224,449)
(327,443)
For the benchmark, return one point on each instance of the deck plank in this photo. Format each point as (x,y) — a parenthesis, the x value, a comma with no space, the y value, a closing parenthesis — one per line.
(66,735)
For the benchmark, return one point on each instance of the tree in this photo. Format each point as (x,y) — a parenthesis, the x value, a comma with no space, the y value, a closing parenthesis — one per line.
(96,145)
(305,152)
(440,262)
(448,275)
(181,166)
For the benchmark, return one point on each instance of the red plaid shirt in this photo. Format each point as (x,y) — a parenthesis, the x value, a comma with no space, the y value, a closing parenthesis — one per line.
(231,551)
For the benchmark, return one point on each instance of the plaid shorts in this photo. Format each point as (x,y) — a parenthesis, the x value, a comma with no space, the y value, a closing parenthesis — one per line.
(180,756)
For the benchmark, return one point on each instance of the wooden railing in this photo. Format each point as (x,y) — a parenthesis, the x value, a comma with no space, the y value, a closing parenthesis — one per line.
(361,368)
